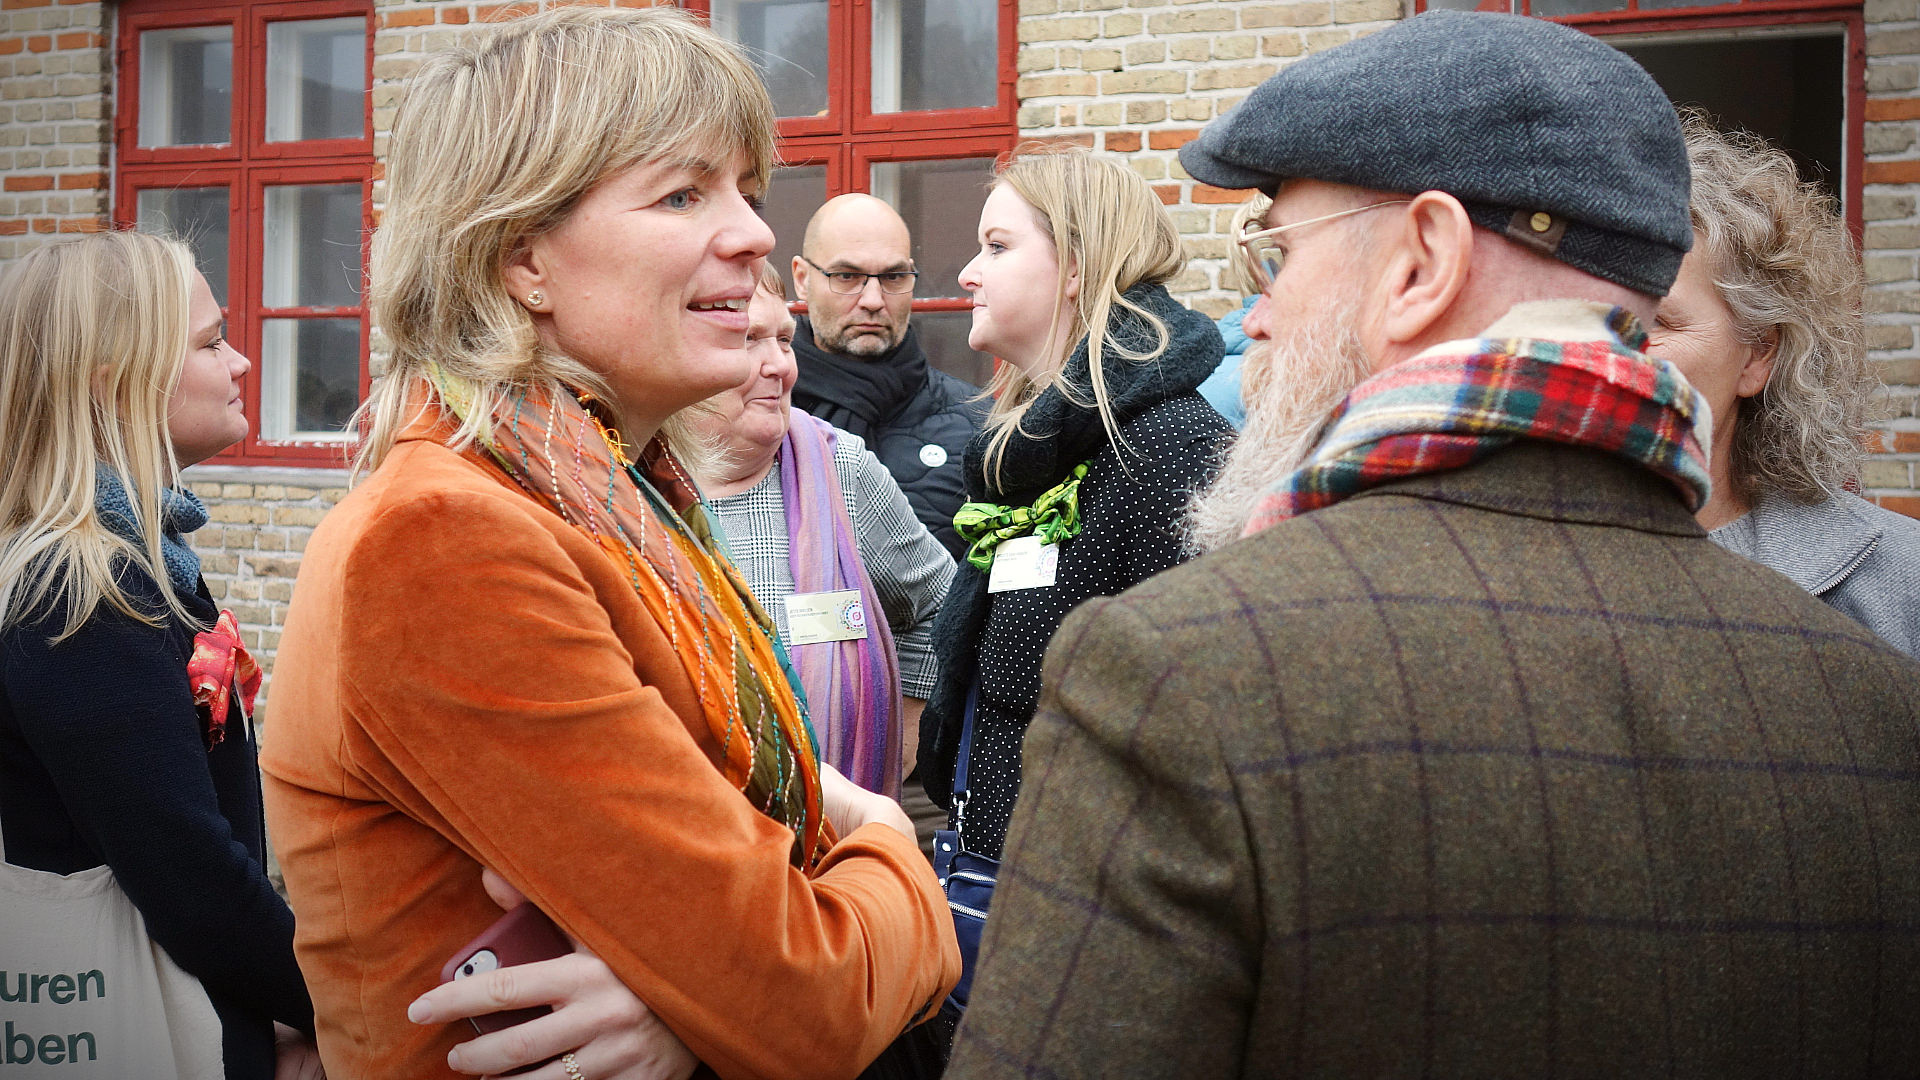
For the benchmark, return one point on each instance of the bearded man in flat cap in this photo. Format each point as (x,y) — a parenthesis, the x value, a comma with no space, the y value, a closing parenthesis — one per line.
(1465,753)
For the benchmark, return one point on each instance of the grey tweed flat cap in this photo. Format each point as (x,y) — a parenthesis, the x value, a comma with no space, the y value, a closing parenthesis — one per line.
(1545,134)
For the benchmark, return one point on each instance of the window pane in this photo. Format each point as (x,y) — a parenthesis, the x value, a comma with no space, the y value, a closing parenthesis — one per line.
(312,246)
(316,79)
(309,377)
(941,201)
(943,334)
(796,193)
(788,42)
(196,215)
(935,55)
(186,86)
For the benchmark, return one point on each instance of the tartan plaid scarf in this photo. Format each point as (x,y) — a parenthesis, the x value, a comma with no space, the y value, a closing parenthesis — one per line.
(647,515)
(1457,403)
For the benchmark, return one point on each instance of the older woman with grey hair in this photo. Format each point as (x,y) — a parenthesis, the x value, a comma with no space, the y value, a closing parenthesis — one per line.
(1765,321)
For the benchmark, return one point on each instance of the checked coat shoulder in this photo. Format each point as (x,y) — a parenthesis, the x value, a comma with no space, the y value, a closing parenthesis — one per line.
(1499,772)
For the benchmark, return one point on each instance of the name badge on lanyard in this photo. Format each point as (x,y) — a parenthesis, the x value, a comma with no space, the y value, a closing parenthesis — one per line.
(825,616)
(1024,562)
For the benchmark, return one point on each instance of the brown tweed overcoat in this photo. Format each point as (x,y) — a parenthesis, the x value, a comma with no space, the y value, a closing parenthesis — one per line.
(1501,772)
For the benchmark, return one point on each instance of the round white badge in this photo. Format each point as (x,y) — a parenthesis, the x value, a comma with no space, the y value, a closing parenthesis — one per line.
(933,455)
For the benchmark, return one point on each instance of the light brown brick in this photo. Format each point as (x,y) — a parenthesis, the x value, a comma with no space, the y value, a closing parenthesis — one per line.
(1118,26)
(1236,47)
(1306,14)
(1034,86)
(1232,78)
(1036,60)
(1190,22)
(1143,82)
(1353,11)
(1145,52)
(1146,112)
(1105,114)
(1074,28)
(1100,59)
(1890,337)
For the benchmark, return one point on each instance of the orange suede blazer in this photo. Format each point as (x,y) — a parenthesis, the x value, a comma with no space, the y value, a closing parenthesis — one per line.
(465,679)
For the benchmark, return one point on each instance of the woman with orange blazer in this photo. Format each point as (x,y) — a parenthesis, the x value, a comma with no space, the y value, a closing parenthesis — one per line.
(515,644)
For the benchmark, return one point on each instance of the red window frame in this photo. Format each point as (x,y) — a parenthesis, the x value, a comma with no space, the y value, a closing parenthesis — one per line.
(851,137)
(1633,19)
(246,165)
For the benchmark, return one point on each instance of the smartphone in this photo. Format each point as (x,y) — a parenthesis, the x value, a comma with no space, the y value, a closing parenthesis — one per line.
(521,936)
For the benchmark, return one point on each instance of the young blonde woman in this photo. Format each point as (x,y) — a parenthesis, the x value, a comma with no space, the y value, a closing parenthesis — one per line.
(515,644)
(123,743)
(1096,443)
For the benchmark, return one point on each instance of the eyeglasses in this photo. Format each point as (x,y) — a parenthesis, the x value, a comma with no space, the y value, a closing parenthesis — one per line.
(1264,258)
(848,282)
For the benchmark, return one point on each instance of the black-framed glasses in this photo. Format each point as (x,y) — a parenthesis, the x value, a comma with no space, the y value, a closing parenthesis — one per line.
(1265,258)
(848,282)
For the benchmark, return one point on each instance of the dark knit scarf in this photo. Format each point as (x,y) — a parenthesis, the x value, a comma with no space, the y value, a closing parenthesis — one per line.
(181,512)
(1056,434)
(858,392)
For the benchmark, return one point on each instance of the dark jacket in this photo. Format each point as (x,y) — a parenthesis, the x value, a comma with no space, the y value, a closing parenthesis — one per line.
(1499,772)
(102,761)
(1132,505)
(915,420)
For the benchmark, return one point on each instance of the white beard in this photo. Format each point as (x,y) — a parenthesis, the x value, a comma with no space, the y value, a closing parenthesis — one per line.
(1290,386)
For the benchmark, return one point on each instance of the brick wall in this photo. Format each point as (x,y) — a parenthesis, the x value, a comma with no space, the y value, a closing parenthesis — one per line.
(1140,78)
(55,120)
(1892,244)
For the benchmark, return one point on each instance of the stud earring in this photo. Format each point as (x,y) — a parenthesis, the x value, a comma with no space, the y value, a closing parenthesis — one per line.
(536,298)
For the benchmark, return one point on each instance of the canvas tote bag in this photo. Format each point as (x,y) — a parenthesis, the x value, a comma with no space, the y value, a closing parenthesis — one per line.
(85,993)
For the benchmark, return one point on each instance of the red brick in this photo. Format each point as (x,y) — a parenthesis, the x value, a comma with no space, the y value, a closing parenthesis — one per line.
(80,40)
(29,183)
(453,16)
(1171,140)
(9,46)
(1891,172)
(1904,442)
(1123,142)
(1169,193)
(379,170)
(39,43)
(407,17)
(1207,193)
(45,224)
(1893,108)
(83,225)
(10,5)
(83,181)
(1900,504)
(12,228)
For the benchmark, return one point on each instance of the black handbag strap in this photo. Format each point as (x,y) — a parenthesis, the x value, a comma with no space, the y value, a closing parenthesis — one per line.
(960,763)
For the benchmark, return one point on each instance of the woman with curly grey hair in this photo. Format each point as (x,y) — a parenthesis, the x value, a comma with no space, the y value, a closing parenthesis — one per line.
(1765,321)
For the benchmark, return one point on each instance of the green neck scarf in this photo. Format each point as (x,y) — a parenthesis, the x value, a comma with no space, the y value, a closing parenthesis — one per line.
(1055,516)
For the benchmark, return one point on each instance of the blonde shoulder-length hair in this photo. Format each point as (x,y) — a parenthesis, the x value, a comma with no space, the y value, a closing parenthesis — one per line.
(1107,224)
(93,333)
(496,143)
(1785,264)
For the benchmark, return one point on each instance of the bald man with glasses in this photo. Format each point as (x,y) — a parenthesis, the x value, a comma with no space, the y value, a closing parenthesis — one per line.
(861,365)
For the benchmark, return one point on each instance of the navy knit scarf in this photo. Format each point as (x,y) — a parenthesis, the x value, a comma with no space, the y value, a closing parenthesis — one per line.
(181,512)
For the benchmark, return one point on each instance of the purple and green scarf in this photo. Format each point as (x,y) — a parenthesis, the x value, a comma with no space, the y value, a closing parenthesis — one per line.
(853,687)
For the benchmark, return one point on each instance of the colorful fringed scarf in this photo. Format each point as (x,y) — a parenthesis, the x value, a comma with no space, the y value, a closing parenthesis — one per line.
(648,517)
(1445,409)
(853,687)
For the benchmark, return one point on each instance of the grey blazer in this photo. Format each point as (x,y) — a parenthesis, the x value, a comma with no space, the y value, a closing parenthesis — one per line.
(1862,559)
